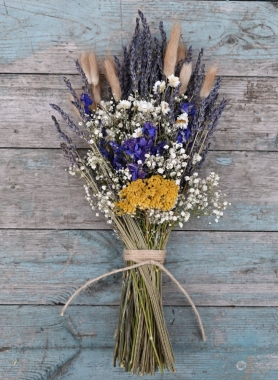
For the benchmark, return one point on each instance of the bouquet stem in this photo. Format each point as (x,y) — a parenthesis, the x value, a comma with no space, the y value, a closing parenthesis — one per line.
(142,341)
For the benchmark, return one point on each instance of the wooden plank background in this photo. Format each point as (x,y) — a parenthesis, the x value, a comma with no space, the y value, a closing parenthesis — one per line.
(51,242)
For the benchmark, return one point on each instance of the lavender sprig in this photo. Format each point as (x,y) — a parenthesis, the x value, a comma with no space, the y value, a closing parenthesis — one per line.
(126,90)
(61,133)
(71,154)
(204,155)
(157,67)
(83,76)
(76,102)
(163,37)
(196,78)
(216,115)
(119,72)
(188,58)
(69,122)
(172,97)
(146,56)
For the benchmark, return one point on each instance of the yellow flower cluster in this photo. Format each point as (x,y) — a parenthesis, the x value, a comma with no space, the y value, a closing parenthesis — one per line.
(144,194)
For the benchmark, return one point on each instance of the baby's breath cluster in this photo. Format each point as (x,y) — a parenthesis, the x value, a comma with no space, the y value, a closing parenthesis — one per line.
(200,198)
(102,201)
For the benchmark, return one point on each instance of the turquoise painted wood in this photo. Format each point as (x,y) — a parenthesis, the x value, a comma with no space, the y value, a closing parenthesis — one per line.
(44,267)
(44,37)
(240,343)
(51,242)
(70,364)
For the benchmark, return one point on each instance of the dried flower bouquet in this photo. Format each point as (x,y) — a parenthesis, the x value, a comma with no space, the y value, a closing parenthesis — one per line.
(146,142)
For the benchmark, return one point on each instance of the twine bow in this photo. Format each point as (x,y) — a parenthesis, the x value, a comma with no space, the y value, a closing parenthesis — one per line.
(142,257)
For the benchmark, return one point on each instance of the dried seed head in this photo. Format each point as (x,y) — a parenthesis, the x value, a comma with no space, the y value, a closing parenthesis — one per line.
(170,58)
(94,73)
(181,54)
(112,77)
(185,75)
(97,93)
(208,82)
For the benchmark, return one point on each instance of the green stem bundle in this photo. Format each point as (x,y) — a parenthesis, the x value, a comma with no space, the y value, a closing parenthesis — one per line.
(142,341)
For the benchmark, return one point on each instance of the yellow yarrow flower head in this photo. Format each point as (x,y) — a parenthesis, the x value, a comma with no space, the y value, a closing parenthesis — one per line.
(145,194)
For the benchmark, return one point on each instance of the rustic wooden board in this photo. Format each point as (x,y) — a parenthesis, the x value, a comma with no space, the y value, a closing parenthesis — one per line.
(42,37)
(220,268)
(47,247)
(87,364)
(248,123)
(190,365)
(241,343)
(30,364)
(36,192)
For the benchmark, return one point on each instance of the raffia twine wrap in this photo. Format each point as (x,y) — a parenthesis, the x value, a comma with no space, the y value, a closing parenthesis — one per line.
(142,257)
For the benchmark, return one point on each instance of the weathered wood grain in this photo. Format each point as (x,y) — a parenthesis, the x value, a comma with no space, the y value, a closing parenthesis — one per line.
(34,364)
(36,192)
(241,343)
(219,268)
(94,327)
(189,366)
(96,364)
(42,37)
(248,123)
(47,247)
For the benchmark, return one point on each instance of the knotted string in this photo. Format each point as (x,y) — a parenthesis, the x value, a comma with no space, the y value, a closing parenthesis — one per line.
(142,257)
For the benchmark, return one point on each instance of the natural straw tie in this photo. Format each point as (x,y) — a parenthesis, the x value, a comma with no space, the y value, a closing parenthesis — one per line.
(142,257)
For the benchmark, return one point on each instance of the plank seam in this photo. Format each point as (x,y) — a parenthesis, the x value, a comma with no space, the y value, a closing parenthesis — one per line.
(81,148)
(109,229)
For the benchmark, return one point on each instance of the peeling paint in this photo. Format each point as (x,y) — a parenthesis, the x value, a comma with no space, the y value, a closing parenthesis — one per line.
(226,161)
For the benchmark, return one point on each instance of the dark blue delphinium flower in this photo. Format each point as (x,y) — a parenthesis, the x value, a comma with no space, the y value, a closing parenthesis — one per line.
(104,151)
(87,101)
(132,151)
(183,135)
(149,130)
(137,147)
(158,148)
(189,108)
(104,148)
(136,171)
(112,151)
(129,145)
(119,160)
(143,147)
